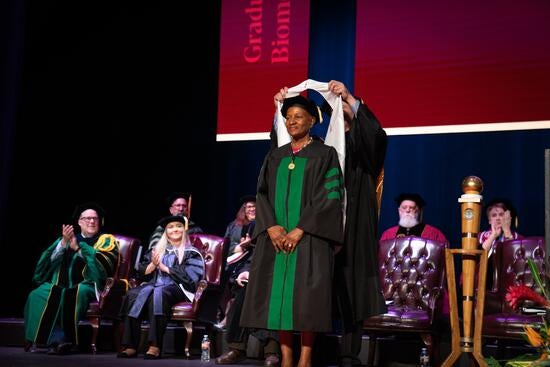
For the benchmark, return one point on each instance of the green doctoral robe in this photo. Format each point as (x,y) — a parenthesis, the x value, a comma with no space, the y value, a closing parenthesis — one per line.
(294,291)
(66,287)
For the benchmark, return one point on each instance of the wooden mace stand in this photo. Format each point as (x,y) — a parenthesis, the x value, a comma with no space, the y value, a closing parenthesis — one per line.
(470,207)
(466,344)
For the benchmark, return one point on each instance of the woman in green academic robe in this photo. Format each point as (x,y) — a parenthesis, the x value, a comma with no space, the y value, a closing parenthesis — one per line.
(298,221)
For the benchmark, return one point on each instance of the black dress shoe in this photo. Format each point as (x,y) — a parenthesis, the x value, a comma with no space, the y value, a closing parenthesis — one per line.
(61,349)
(53,350)
(233,356)
(28,345)
(125,354)
(152,353)
(151,356)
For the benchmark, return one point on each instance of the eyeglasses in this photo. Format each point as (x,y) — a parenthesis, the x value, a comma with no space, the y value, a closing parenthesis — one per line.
(250,206)
(89,219)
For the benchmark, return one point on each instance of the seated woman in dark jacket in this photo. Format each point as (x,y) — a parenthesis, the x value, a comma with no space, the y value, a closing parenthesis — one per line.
(176,268)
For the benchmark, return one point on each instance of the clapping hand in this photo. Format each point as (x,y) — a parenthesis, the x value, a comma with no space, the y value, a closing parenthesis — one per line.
(245,242)
(156,258)
(242,278)
(507,224)
(68,237)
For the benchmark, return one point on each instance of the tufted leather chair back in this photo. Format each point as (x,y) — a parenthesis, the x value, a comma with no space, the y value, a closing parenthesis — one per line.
(511,267)
(410,268)
(211,248)
(110,299)
(129,250)
(412,276)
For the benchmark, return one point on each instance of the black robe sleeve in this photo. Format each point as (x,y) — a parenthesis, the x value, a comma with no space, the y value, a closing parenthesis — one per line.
(322,215)
(189,272)
(367,141)
(265,217)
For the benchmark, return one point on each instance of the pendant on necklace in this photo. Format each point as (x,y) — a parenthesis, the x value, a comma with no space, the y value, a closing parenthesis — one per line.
(291,166)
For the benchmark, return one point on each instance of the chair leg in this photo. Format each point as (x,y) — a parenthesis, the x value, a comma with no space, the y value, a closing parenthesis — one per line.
(117,335)
(94,321)
(428,341)
(189,328)
(372,350)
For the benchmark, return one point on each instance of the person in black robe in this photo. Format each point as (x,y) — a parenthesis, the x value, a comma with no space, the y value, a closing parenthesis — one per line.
(356,279)
(299,219)
(179,203)
(237,336)
(176,268)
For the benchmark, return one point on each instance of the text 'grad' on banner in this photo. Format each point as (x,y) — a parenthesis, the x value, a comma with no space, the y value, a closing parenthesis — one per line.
(263,47)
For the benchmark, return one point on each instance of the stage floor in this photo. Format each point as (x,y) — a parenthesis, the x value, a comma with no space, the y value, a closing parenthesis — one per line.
(17,357)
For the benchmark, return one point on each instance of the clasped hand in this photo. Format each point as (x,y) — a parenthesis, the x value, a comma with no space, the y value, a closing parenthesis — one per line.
(283,241)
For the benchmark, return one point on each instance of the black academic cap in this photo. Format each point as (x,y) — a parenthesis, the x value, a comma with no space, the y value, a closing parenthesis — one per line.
(89,205)
(300,101)
(171,218)
(176,195)
(325,107)
(247,199)
(410,196)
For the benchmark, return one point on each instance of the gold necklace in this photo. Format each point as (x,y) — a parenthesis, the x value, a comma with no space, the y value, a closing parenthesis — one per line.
(291,165)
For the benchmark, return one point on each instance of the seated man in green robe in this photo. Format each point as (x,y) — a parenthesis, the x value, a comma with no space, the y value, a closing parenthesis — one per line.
(69,274)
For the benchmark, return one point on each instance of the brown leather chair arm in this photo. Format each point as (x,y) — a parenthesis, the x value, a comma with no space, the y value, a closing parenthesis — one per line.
(133,282)
(111,297)
(433,299)
(493,302)
(198,294)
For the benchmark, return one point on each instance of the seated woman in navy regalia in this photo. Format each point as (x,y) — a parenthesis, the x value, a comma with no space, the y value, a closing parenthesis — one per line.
(176,268)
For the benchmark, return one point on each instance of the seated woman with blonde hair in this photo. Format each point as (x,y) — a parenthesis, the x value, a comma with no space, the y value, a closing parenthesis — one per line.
(175,267)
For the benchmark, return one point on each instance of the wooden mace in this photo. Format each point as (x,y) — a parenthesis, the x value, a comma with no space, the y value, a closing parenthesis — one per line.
(472,187)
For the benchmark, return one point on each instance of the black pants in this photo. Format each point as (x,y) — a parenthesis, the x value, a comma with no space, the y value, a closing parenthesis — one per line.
(351,330)
(237,336)
(132,328)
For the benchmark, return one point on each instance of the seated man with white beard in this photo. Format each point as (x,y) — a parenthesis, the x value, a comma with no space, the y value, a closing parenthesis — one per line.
(410,207)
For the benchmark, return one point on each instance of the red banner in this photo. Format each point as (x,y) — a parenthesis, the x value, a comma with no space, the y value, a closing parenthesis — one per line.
(454,66)
(263,47)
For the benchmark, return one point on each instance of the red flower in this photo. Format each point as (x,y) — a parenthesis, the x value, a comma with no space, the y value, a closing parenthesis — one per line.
(519,293)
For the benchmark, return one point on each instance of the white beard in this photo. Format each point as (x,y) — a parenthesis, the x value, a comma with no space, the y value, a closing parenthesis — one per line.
(408,220)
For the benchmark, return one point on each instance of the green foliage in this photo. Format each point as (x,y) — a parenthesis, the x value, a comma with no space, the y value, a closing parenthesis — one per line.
(491,362)
(536,276)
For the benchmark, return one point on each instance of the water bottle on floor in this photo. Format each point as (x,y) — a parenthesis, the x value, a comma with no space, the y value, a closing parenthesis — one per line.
(424,358)
(205,348)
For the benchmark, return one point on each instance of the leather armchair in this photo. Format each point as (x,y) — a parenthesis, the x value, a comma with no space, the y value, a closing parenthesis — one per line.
(110,299)
(412,276)
(511,268)
(212,248)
